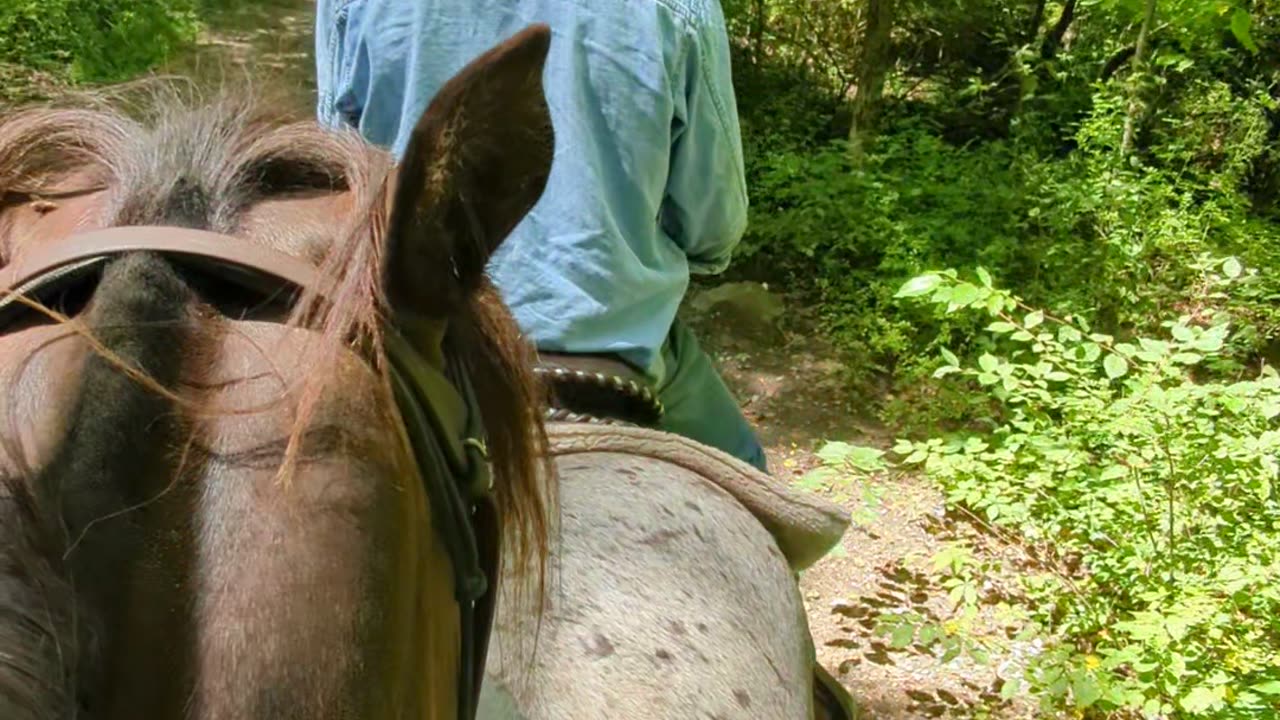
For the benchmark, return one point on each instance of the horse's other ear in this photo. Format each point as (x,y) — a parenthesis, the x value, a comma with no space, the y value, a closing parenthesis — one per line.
(477,161)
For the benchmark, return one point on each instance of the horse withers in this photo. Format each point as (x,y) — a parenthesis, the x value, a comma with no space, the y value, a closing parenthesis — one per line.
(213,505)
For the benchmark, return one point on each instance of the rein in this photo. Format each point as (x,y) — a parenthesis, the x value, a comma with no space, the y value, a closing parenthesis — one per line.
(437,405)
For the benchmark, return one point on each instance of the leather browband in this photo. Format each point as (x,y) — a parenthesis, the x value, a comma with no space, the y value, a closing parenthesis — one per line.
(43,257)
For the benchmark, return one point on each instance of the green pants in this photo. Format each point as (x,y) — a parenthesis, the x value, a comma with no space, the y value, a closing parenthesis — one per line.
(697,403)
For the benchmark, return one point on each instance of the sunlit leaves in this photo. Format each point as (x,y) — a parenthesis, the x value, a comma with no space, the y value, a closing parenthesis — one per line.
(1232,268)
(918,286)
(1160,482)
(1241,21)
(1115,366)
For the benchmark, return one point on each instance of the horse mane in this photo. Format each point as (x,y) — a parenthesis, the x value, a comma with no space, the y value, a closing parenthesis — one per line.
(169,155)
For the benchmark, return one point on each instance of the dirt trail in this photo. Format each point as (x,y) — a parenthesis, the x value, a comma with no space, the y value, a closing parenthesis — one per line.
(267,42)
(792,391)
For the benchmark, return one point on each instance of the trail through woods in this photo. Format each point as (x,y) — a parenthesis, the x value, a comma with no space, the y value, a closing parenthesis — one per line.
(791,387)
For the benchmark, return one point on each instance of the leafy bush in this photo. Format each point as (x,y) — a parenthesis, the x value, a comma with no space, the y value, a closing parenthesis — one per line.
(93,40)
(1122,244)
(1146,492)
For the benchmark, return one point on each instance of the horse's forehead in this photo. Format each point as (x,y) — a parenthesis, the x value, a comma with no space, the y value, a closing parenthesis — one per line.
(48,219)
(301,225)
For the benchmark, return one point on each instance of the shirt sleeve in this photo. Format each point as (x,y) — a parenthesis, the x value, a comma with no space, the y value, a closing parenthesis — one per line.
(705,209)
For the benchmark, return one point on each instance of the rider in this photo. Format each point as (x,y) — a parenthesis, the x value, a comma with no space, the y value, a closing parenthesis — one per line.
(646,187)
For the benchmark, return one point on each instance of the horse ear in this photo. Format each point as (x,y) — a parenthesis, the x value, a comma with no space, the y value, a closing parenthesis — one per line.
(477,161)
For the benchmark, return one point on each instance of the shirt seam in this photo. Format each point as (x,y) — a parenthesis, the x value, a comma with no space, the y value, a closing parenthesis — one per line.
(690,20)
(722,116)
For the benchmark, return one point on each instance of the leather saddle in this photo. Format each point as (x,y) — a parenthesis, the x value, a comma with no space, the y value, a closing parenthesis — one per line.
(597,388)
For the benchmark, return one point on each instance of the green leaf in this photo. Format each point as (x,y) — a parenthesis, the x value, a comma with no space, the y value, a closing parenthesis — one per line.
(1209,342)
(1271,687)
(1155,347)
(1201,698)
(1033,319)
(988,362)
(1085,690)
(964,296)
(1001,327)
(950,357)
(864,458)
(1113,471)
(929,633)
(1182,333)
(1270,409)
(984,277)
(902,636)
(918,286)
(1240,23)
(1115,366)
(1186,358)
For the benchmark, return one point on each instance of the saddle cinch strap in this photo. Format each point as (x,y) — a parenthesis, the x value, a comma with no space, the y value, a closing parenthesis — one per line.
(437,405)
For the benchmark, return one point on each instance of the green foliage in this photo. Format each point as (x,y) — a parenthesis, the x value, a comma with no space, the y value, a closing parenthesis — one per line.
(857,230)
(1048,205)
(1132,458)
(93,40)
(1145,490)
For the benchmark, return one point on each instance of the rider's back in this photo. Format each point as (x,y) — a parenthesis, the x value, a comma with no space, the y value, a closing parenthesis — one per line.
(647,183)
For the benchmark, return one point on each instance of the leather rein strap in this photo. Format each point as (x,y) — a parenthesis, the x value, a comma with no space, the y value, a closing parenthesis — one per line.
(438,407)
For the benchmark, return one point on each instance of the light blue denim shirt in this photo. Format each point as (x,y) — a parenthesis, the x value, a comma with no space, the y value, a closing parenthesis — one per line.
(647,184)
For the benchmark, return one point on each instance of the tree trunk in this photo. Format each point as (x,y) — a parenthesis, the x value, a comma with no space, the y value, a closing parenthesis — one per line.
(1053,40)
(1139,60)
(873,66)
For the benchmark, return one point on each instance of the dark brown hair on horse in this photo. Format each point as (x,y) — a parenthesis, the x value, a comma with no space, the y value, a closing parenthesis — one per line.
(152,562)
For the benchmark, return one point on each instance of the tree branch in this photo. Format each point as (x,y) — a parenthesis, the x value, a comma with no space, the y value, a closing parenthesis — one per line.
(1116,62)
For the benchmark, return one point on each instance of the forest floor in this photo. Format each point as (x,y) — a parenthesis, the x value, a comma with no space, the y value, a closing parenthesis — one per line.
(792,388)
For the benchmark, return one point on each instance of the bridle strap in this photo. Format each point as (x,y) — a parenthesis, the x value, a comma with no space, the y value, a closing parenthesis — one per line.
(440,414)
(265,263)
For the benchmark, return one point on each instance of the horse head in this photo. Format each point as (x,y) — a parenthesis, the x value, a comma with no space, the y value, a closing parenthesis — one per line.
(222,340)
